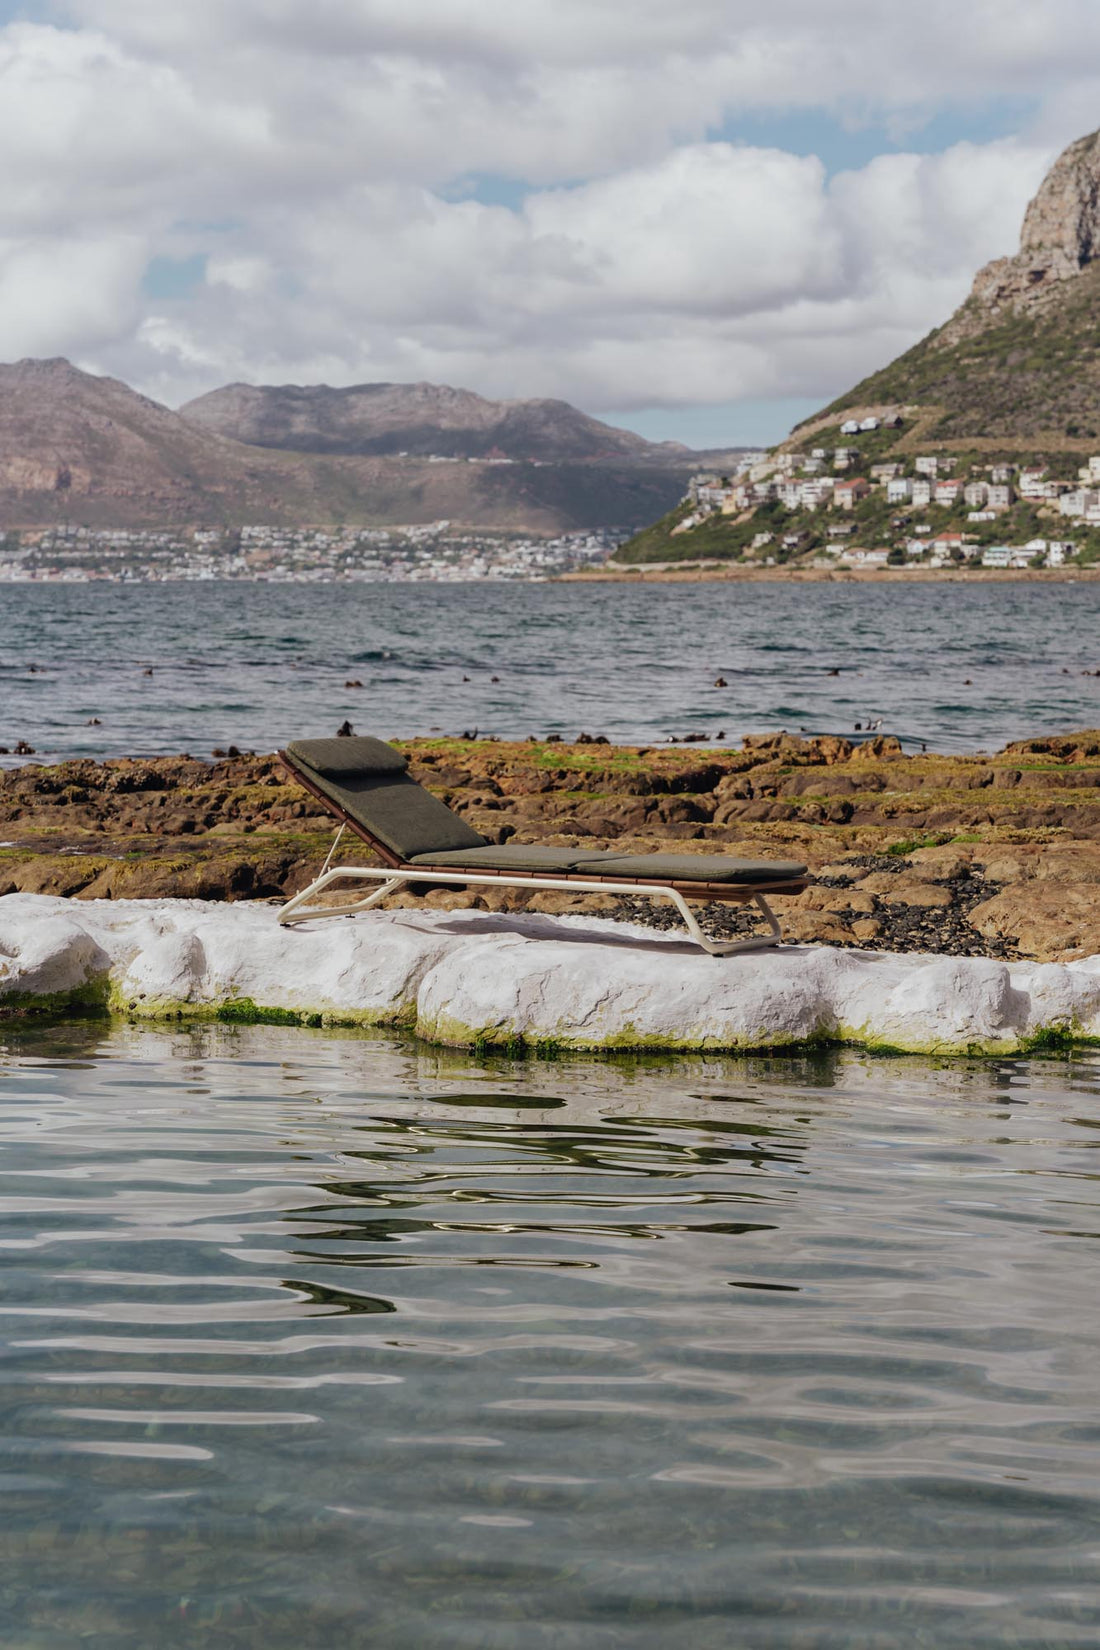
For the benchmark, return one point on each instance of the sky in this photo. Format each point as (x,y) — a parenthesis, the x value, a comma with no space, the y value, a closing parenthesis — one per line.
(699,220)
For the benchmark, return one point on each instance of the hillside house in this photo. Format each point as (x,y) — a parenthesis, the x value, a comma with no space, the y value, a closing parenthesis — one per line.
(950,544)
(1076,501)
(844,458)
(865,558)
(975,494)
(841,530)
(916,547)
(867,425)
(817,492)
(899,490)
(1031,483)
(1000,495)
(926,465)
(850,426)
(981,515)
(847,494)
(1059,551)
(1001,474)
(948,493)
(997,555)
(1094,468)
(884,472)
(921,496)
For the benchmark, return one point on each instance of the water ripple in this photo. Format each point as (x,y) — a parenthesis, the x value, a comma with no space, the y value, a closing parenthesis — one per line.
(309,1339)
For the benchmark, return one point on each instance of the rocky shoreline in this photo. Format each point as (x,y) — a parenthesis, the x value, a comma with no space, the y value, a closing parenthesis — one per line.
(970,856)
(709,572)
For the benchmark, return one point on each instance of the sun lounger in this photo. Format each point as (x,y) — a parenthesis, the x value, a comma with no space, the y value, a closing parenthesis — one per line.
(364,783)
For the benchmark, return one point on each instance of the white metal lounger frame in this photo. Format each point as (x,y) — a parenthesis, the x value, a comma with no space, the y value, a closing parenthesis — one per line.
(393,877)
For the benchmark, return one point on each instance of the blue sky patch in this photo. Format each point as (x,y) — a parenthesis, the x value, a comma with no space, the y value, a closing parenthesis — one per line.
(756,423)
(174,277)
(847,146)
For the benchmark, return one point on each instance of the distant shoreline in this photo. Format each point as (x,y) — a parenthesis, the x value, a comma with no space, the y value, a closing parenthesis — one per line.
(716,573)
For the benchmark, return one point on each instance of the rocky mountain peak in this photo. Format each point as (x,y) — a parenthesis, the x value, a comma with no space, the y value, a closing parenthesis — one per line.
(1060,237)
(1061,232)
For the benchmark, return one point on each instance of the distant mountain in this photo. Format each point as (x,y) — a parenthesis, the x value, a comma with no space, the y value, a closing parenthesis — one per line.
(1018,365)
(77,447)
(418,419)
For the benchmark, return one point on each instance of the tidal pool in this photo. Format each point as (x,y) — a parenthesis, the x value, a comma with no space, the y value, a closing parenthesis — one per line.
(312,1340)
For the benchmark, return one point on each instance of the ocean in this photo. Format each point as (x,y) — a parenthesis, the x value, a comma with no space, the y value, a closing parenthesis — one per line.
(107,669)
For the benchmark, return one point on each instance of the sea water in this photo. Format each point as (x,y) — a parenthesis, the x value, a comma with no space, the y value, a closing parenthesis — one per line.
(310,1340)
(117,670)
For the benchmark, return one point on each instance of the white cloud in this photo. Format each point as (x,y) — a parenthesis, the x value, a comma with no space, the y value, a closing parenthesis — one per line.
(310,153)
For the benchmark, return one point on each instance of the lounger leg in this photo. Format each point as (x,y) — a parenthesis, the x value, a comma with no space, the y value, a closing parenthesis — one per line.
(729,948)
(298,909)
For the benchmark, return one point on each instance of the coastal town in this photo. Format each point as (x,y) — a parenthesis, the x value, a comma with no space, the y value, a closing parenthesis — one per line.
(438,551)
(838,503)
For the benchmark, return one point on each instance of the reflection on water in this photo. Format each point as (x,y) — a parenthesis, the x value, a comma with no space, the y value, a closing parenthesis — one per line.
(312,1340)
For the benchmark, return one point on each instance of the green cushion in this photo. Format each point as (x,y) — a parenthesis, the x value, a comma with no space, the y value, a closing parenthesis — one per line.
(389,805)
(691,867)
(513,856)
(344,758)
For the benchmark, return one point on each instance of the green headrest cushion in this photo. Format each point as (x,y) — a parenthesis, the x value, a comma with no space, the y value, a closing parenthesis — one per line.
(341,759)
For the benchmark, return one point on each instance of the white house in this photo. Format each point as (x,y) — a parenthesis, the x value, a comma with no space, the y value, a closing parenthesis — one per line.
(981,515)
(1059,552)
(817,492)
(899,490)
(921,496)
(975,493)
(926,465)
(850,426)
(1000,495)
(997,555)
(868,424)
(1032,482)
(948,492)
(866,558)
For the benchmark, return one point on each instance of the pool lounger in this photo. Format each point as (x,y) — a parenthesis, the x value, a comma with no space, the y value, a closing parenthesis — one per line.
(364,784)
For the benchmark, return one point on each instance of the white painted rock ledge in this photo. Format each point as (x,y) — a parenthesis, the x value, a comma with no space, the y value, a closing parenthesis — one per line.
(466,977)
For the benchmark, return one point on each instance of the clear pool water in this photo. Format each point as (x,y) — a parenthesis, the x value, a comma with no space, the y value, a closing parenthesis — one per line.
(318,1341)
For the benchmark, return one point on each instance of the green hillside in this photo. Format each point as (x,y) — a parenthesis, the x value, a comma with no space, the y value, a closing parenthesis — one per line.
(1024,380)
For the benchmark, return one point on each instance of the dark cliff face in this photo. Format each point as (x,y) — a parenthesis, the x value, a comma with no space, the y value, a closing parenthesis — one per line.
(419,419)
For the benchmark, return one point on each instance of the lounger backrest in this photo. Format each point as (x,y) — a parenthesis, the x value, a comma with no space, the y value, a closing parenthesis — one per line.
(368,780)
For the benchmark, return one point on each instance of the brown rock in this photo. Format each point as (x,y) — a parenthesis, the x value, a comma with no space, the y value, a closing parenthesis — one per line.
(816,928)
(1042,920)
(900,889)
